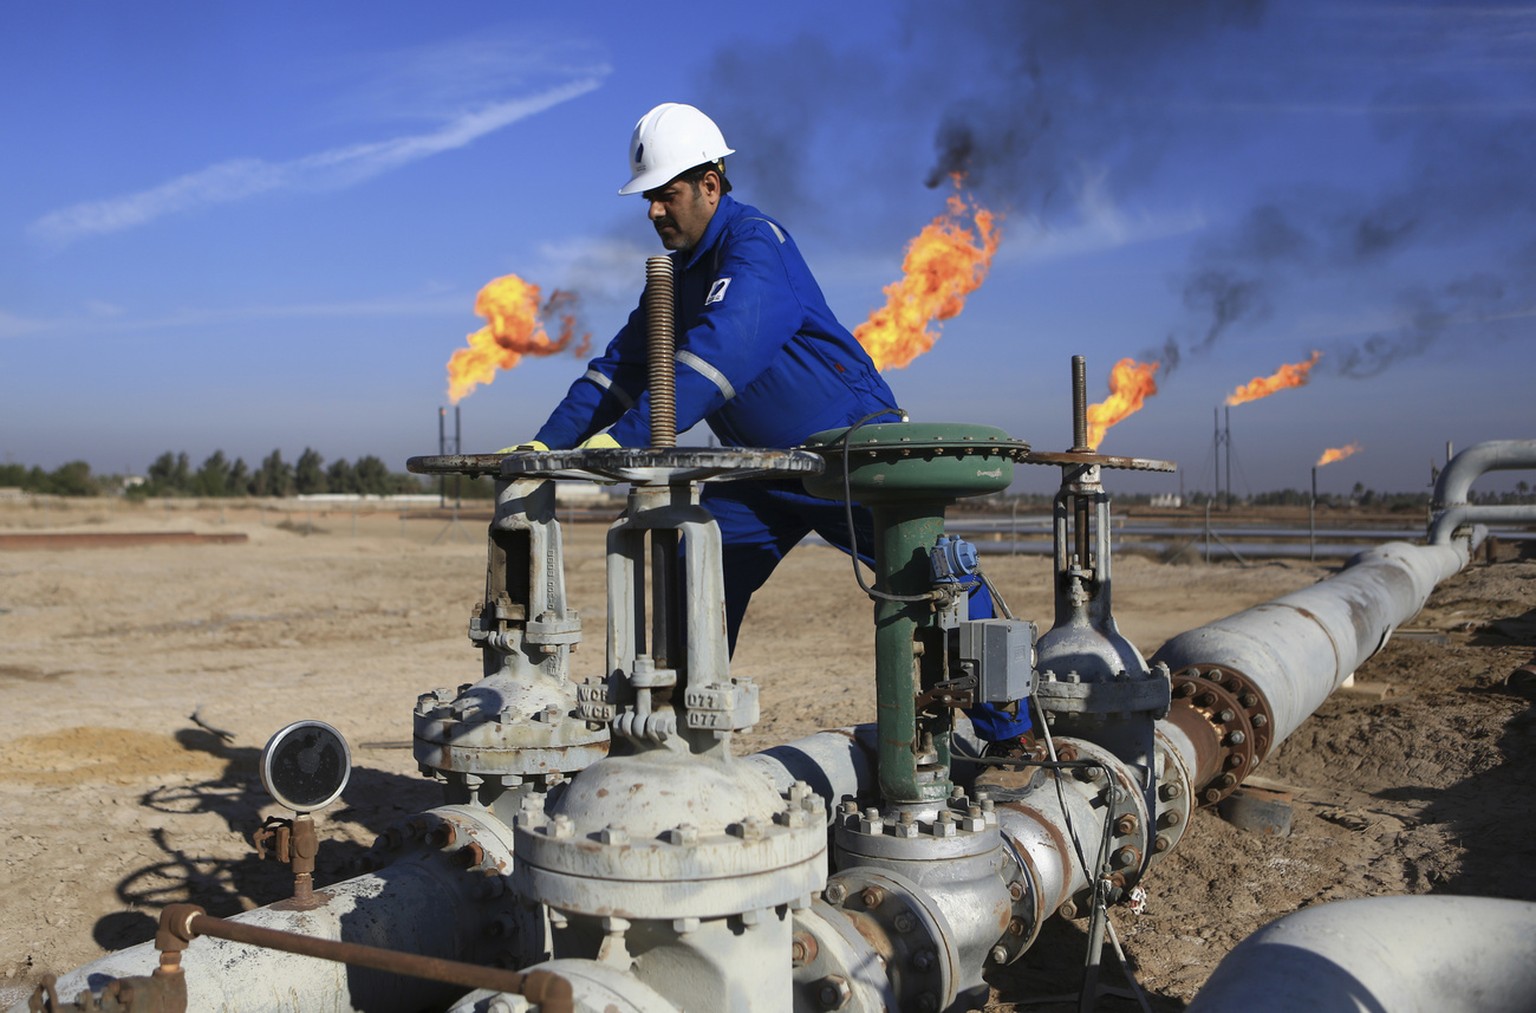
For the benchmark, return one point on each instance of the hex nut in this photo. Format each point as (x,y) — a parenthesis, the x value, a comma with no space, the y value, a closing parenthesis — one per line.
(833,992)
(803,949)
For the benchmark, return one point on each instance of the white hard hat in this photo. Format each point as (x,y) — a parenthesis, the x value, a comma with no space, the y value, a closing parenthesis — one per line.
(670,140)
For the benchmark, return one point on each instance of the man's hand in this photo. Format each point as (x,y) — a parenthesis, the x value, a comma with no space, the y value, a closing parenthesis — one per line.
(530,445)
(599,441)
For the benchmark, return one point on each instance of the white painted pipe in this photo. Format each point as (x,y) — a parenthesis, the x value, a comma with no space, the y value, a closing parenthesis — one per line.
(1398,954)
(423,903)
(1299,648)
(1451,505)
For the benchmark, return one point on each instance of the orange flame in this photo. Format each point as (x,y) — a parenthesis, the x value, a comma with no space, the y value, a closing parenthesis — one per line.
(511,305)
(1289,375)
(1336,454)
(1130,384)
(944,263)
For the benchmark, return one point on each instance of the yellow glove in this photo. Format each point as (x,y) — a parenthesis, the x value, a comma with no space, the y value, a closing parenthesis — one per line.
(530,445)
(599,441)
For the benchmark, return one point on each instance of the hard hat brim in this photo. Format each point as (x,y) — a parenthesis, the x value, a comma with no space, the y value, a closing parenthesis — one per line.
(657,177)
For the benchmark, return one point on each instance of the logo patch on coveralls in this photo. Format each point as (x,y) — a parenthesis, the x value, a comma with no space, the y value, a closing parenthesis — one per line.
(717,291)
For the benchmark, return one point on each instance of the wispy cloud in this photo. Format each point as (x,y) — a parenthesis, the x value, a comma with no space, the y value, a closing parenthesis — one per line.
(13,326)
(333,168)
(98,318)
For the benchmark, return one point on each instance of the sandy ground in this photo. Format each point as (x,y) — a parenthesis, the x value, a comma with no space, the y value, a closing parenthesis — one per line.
(115,802)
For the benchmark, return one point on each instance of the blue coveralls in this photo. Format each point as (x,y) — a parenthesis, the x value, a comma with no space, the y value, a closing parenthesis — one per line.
(763,361)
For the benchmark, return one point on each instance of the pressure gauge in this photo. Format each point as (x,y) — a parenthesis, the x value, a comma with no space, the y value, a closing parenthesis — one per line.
(306,765)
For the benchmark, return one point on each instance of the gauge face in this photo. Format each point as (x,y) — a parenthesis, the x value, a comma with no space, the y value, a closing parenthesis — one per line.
(306,765)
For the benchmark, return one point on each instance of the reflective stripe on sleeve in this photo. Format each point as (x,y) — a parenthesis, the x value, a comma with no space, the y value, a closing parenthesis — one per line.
(707,371)
(772,225)
(604,382)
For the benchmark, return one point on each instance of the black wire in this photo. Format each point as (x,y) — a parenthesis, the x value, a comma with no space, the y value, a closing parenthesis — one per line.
(853,534)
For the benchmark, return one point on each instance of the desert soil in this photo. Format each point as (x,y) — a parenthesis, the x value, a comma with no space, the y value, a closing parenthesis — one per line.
(116,801)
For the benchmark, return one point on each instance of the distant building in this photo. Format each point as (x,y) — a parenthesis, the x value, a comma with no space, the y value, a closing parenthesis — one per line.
(1168,500)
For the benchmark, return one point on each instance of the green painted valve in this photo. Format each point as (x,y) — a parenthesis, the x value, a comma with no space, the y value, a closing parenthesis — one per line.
(907,473)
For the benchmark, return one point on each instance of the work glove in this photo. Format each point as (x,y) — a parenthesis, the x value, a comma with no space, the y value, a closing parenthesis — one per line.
(598,441)
(530,445)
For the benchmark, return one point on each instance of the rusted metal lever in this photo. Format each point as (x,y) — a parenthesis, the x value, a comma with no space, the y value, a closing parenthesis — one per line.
(181,923)
(959,692)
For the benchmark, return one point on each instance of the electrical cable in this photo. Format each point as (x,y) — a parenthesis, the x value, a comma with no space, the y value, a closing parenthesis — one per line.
(1125,965)
(853,534)
(997,596)
(1098,883)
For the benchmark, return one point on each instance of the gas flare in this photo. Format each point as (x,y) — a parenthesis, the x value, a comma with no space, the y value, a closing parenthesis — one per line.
(511,305)
(1337,454)
(1292,374)
(1130,384)
(944,263)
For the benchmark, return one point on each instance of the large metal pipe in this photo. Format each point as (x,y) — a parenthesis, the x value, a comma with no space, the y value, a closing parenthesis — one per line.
(433,901)
(1452,509)
(1293,652)
(1296,650)
(1448,954)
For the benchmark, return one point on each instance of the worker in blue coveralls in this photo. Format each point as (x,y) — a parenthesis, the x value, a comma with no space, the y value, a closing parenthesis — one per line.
(760,358)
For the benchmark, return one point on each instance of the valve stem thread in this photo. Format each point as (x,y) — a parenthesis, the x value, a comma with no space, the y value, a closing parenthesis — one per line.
(661,350)
(1079,404)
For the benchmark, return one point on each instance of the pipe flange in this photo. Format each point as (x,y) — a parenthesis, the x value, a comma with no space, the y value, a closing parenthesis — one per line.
(960,828)
(911,936)
(503,726)
(1129,847)
(1129,693)
(832,965)
(1026,914)
(1239,716)
(478,846)
(610,849)
(1175,800)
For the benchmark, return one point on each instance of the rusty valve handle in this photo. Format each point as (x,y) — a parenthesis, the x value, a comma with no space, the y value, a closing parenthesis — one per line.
(661,350)
(182,923)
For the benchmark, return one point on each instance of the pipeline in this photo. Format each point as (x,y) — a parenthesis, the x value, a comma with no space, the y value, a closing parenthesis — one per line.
(440,892)
(1248,680)
(668,874)
(1450,954)
(1452,510)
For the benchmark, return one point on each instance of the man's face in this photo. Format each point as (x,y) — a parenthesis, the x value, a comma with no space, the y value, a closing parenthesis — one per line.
(680,212)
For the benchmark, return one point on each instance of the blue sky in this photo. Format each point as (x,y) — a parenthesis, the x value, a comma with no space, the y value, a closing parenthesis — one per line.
(244,227)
